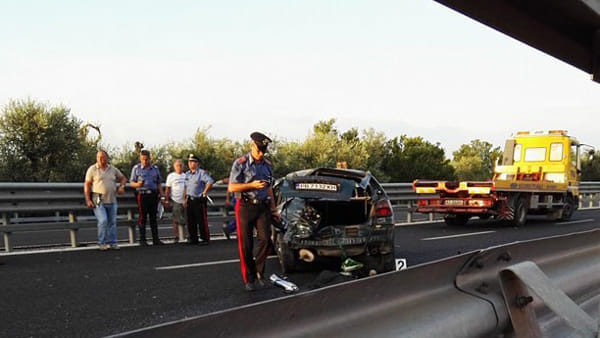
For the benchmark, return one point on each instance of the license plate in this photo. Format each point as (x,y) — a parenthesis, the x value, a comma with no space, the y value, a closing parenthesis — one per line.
(317,187)
(453,202)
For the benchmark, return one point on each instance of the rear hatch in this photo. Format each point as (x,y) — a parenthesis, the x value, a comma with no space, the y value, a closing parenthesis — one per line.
(322,207)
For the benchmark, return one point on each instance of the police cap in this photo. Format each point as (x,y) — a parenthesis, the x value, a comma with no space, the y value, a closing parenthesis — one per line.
(193,157)
(261,141)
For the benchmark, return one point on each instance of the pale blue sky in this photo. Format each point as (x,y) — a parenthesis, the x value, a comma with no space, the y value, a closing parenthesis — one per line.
(156,71)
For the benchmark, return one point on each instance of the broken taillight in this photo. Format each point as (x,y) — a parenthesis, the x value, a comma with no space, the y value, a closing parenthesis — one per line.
(383,209)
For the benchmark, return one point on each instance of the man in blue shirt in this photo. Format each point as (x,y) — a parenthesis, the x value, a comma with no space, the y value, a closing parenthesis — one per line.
(145,178)
(250,179)
(197,185)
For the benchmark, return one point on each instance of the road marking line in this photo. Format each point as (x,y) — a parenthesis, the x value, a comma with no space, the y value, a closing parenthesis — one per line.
(461,235)
(194,265)
(578,221)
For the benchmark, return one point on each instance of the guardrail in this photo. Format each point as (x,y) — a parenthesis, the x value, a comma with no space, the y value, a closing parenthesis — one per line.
(50,206)
(540,288)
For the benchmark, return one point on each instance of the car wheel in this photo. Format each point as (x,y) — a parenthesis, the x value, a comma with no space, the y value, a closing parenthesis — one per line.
(520,213)
(568,209)
(456,220)
(386,263)
(286,256)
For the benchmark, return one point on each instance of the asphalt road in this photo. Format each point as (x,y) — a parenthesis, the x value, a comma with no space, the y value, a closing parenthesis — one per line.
(88,293)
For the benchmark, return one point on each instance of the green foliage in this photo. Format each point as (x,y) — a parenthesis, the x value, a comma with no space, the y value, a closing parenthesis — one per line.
(216,155)
(590,168)
(42,143)
(476,160)
(410,158)
(326,146)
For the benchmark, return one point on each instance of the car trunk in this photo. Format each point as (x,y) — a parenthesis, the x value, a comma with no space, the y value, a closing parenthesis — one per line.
(351,212)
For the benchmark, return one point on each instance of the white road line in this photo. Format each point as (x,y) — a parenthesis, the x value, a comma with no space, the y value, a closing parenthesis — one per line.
(578,221)
(194,265)
(461,235)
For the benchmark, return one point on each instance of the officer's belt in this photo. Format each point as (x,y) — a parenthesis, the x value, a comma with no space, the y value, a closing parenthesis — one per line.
(146,192)
(253,201)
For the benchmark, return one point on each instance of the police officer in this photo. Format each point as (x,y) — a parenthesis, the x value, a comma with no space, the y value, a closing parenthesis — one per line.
(145,178)
(198,183)
(250,179)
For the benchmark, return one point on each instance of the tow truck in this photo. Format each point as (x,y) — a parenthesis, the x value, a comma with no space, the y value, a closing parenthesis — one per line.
(538,174)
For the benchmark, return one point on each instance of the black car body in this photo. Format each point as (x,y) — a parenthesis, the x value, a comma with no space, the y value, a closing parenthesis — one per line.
(333,213)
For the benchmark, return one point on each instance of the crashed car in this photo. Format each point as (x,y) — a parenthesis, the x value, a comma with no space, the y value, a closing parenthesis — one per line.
(340,213)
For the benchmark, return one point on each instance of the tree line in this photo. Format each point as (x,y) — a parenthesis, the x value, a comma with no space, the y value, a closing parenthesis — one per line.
(40,142)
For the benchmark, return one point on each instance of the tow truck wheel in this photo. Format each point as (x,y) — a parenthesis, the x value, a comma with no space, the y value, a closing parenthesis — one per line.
(456,220)
(520,213)
(568,209)
(287,260)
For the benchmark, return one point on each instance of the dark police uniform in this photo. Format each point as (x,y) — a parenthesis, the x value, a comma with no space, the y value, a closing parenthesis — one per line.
(196,203)
(147,199)
(252,209)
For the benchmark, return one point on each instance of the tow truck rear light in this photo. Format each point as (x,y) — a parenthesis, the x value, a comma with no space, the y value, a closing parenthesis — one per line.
(383,209)
(422,203)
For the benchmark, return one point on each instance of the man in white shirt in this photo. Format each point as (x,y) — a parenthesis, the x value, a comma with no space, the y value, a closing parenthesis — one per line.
(175,195)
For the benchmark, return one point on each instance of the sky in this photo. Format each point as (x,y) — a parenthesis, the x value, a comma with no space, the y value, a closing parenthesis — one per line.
(157,71)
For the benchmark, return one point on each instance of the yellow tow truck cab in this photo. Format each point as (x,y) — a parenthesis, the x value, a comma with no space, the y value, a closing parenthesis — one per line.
(538,174)
(539,161)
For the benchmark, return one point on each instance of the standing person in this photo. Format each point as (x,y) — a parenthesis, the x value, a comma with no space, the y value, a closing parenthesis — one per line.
(145,177)
(198,183)
(100,190)
(175,195)
(250,179)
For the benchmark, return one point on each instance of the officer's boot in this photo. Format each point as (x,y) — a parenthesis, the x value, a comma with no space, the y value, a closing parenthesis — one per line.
(143,235)
(155,239)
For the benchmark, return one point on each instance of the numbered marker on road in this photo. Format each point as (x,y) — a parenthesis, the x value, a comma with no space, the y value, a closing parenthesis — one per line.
(400,264)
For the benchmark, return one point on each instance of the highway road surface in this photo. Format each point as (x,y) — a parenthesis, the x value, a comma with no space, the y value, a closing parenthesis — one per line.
(84,292)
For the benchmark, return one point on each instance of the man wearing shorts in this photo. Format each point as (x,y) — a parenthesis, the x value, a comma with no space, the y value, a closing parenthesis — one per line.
(175,196)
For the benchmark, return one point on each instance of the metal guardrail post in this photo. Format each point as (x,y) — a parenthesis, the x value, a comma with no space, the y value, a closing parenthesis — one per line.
(409,214)
(591,200)
(7,246)
(73,231)
(581,201)
(431,217)
(131,227)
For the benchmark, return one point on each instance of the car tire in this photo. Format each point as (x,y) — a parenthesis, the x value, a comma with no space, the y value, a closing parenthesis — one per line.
(568,209)
(287,259)
(456,220)
(387,263)
(519,212)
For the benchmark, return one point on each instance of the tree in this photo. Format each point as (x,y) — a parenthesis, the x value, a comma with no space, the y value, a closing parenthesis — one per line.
(410,158)
(43,143)
(590,168)
(476,160)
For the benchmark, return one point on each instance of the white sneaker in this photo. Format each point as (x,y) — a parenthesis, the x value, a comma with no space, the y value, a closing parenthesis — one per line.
(114,246)
(103,247)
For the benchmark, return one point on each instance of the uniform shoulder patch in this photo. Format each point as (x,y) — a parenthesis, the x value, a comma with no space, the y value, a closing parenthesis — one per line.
(242,160)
